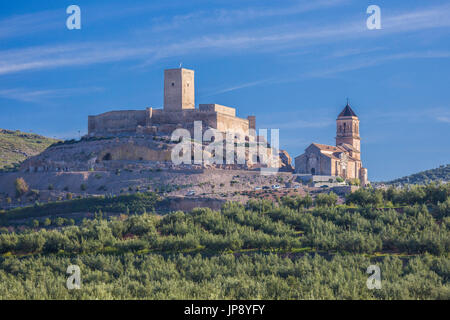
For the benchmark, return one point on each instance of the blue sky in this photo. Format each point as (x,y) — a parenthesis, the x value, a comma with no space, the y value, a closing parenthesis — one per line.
(290,63)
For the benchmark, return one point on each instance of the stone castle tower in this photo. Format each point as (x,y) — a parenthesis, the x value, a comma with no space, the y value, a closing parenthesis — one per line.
(179,91)
(179,111)
(347,131)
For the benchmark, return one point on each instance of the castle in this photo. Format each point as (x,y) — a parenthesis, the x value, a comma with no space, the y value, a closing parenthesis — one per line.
(179,112)
(344,159)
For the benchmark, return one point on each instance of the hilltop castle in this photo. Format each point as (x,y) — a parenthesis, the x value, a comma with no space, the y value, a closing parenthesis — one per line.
(179,112)
(342,160)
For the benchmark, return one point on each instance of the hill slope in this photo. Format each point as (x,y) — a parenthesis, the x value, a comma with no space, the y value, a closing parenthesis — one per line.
(259,250)
(438,174)
(16,146)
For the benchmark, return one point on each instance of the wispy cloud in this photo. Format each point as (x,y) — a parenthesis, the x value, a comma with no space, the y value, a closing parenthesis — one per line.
(42,21)
(301,124)
(281,36)
(28,24)
(242,15)
(37,22)
(294,120)
(45,57)
(293,142)
(347,52)
(439,114)
(38,96)
(373,61)
(419,19)
(335,70)
(443,119)
(270,38)
(237,87)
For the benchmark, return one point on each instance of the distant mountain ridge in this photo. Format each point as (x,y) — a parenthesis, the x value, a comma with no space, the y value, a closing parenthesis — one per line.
(16,146)
(438,174)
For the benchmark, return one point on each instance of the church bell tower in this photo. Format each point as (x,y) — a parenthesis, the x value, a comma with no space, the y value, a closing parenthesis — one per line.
(347,130)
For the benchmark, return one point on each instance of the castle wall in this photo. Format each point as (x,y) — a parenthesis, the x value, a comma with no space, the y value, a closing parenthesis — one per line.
(128,121)
(226,123)
(134,152)
(169,121)
(218,108)
(117,121)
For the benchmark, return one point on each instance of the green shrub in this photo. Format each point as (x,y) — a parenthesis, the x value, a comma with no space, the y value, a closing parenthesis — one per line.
(47,222)
(323,199)
(21,187)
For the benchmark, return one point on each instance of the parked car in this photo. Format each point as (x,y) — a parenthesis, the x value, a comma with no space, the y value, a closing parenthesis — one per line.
(191,193)
(257,188)
(276,186)
(266,188)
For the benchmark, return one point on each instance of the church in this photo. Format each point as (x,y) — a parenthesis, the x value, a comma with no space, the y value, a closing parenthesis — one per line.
(344,159)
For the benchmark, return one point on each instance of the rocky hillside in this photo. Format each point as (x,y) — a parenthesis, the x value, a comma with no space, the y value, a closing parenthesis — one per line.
(438,174)
(16,146)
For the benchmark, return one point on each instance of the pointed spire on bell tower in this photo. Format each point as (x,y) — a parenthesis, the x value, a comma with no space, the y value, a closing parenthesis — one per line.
(347,112)
(347,129)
